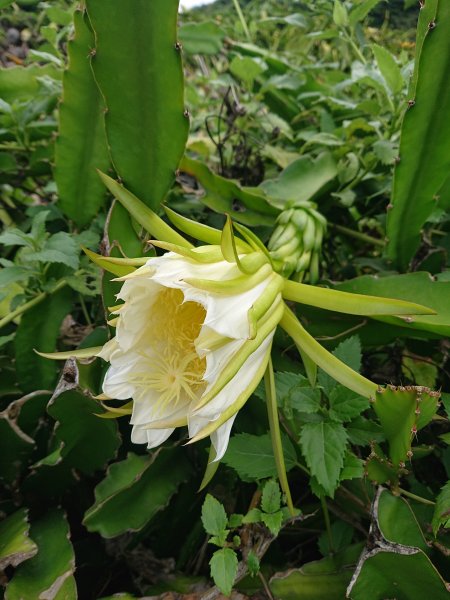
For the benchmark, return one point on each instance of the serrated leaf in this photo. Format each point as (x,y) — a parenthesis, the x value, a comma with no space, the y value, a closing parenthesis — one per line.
(271,497)
(59,248)
(349,352)
(362,431)
(353,467)
(254,515)
(224,565)
(345,404)
(441,516)
(253,563)
(135,490)
(214,517)
(324,446)
(251,456)
(386,151)
(273,521)
(49,574)
(15,544)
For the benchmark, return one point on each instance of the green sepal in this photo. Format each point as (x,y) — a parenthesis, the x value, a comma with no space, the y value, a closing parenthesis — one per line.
(351,304)
(252,239)
(117,266)
(210,255)
(81,353)
(142,214)
(237,285)
(211,468)
(324,359)
(264,302)
(228,244)
(113,412)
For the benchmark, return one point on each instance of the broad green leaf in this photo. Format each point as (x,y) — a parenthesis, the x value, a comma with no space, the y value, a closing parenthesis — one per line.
(386,151)
(146,126)
(363,431)
(81,146)
(201,38)
(405,573)
(246,69)
(16,546)
(302,180)
(21,83)
(424,157)
(361,10)
(353,467)
(389,68)
(135,490)
(49,574)
(416,287)
(39,329)
(441,516)
(9,275)
(247,206)
(224,565)
(271,497)
(252,456)
(59,248)
(88,442)
(214,517)
(402,411)
(397,521)
(324,446)
(341,533)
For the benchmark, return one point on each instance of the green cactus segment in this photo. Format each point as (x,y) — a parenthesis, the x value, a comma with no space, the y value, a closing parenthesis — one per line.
(424,146)
(402,412)
(146,123)
(380,470)
(81,145)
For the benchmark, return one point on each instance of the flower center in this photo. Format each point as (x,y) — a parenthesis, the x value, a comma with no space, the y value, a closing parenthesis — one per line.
(172,367)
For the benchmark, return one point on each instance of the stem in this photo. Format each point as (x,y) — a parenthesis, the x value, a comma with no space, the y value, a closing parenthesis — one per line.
(242,20)
(265,585)
(84,310)
(358,235)
(416,498)
(355,48)
(326,516)
(275,434)
(30,304)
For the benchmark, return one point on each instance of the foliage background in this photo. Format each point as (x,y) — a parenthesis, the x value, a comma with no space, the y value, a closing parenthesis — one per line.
(314,102)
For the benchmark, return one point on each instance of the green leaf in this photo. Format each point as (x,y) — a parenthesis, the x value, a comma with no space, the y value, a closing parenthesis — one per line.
(49,574)
(302,180)
(340,15)
(201,38)
(39,329)
(386,151)
(252,456)
(135,490)
(15,544)
(253,564)
(271,497)
(246,69)
(11,274)
(345,405)
(389,68)
(361,10)
(247,206)
(22,83)
(59,248)
(417,287)
(145,125)
(214,517)
(78,426)
(441,516)
(362,431)
(424,156)
(324,446)
(353,467)
(349,352)
(402,411)
(81,146)
(273,521)
(224,565)
(341,533)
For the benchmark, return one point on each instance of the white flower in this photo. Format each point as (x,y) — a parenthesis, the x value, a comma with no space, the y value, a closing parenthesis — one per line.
(187,355)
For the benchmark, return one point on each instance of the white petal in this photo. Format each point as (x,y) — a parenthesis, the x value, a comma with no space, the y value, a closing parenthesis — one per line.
(108,349)
(151,437)
(240,382)
(220,438)
(147,413)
